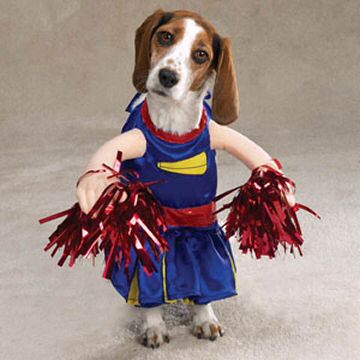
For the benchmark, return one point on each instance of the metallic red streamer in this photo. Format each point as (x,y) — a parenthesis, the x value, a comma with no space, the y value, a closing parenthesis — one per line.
(260,216)
(113,226)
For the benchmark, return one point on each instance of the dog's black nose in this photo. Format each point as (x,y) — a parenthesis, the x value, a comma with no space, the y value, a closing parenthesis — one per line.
(168,78)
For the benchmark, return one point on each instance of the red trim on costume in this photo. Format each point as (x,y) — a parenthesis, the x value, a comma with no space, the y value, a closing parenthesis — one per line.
(199,216)
(174,138)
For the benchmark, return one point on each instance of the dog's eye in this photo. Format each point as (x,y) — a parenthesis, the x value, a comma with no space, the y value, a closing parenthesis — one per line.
(200,56)
(165,38)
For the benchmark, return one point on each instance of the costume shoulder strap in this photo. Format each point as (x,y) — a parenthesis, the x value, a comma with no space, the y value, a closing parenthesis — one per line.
(208,106)
(136,100)
(133,109)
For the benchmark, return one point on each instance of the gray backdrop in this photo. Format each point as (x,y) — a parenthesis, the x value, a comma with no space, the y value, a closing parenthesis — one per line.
(65,80)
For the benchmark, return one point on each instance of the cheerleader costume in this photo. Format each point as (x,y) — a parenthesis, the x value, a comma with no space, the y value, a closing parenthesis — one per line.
(199,266)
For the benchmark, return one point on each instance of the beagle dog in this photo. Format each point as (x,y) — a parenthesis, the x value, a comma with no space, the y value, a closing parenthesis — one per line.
(179,56)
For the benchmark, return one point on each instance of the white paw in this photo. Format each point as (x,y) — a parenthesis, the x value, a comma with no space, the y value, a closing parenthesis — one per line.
(154,336)
(208,330)
(205,323)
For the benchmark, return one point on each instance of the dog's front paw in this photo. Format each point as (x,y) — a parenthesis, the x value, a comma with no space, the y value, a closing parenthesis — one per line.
(154,336)
(208,330)
(205,323)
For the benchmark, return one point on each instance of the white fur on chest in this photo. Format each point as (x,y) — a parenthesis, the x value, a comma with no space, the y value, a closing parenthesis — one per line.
(174,117)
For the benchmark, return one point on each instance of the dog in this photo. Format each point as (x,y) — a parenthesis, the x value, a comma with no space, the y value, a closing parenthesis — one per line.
(179,56)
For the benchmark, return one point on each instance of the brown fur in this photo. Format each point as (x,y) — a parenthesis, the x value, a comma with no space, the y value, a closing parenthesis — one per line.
(176,27)
(142,49)
(202,71)
(225,105)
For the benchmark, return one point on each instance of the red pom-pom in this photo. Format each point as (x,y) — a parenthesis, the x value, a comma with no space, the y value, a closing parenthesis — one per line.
(113,226)
(260,216)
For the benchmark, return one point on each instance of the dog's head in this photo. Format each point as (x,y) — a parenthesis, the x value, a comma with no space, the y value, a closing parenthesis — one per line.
(177,52)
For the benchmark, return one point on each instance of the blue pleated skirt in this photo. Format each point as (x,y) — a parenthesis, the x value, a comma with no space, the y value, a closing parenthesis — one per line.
(198,268)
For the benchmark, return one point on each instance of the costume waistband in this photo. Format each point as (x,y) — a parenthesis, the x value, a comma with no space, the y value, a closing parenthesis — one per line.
(199,216)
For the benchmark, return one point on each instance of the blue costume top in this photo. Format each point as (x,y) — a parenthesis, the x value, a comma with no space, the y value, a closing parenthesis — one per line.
(199,266)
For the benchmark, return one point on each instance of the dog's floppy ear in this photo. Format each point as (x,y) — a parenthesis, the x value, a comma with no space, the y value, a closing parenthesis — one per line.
(142,47)
(225,104)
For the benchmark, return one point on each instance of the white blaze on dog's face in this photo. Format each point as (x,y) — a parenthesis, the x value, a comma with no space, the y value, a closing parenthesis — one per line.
(181,57)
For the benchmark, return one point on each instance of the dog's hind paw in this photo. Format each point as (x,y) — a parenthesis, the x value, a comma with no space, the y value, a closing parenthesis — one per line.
(154,336)
(208,330)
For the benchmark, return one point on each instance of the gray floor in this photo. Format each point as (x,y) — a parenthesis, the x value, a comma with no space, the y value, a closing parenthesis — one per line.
(65,85)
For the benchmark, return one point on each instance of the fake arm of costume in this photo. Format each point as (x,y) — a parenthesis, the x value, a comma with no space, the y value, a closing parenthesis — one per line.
(238,145)
(263,212)
(132,144)
(117,213)
(244,149)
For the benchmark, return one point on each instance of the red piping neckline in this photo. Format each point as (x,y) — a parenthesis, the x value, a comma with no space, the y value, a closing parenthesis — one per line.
(174,138)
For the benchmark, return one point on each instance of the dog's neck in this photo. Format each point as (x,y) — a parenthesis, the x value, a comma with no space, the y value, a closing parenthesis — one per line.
(176,117)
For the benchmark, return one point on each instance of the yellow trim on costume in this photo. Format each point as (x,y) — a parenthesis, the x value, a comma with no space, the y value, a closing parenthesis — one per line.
(233,268)
(196,165)
(134,293)
(167,300)
(188,301)
(164,282)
